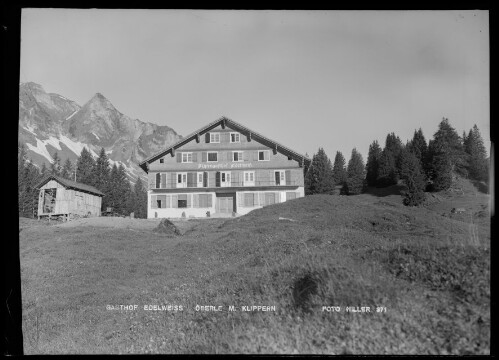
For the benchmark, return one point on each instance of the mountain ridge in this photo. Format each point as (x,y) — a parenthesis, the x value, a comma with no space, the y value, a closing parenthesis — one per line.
(50,122)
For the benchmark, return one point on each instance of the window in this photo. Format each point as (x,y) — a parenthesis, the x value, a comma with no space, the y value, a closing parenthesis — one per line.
(158,180)
(263,155)
(49,200)
(162,161)
(280,177)
(269,199)
(182,201)
(249,200)
(249,178)
(186,157)
(204,200)
(290,196)
(181,180)
(235,137)
(214,137)
(212,156)
(225,178)
(237,156)
(200,179)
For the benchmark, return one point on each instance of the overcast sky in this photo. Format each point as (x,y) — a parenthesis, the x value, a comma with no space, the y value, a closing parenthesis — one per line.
(307,79)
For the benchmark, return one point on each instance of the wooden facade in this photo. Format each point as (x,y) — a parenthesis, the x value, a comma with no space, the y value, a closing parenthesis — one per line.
(61,197)
(223,168)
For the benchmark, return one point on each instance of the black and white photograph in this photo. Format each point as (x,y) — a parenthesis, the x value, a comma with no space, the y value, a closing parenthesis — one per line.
(254,181)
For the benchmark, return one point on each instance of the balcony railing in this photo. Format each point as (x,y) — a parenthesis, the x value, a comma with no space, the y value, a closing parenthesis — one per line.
(234,184)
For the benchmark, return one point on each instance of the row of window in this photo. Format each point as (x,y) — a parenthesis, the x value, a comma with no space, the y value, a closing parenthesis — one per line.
(214,137)
(181,201)
(206,200)
(212,156)
(222,179)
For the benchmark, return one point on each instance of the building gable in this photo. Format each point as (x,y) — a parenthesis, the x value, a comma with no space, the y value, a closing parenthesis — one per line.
(220,132)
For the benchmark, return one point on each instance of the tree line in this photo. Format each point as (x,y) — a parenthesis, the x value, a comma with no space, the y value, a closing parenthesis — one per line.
(119,194)
(422,166)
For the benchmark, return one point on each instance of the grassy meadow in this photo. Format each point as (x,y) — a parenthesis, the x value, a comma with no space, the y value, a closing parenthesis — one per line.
(429,270)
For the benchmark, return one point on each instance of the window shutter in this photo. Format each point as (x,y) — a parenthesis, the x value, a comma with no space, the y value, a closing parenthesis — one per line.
(179,157)
(217,179)
(210,199)
(267,155)
(207,138)
(255,155)
(163,181)
(154,203)
(246,156)
(256,197)
(168,203)
(195,200)
(195,157)
(288,177)
(230,157)
(174,201)
(190,179)
(203,156)
(163,200)
(189,200)
(205,179)
(174,180)
(240,200)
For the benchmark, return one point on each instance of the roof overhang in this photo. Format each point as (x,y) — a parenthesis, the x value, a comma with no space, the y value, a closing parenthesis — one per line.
(225,122)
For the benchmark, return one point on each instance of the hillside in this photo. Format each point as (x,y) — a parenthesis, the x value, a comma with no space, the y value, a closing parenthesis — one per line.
(426,269)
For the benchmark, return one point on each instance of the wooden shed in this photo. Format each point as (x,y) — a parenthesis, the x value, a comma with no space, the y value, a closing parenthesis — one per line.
(66,198)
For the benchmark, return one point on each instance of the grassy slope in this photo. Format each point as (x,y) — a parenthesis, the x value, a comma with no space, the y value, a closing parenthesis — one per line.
(430,271)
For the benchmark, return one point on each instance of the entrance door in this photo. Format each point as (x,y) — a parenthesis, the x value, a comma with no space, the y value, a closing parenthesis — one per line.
(225,203)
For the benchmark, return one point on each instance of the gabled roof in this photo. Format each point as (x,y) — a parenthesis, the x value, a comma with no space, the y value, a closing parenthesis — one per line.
(70,185)
(234,126)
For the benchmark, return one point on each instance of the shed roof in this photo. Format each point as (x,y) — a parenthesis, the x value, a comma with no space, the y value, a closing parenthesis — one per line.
(70,185)
(235,126)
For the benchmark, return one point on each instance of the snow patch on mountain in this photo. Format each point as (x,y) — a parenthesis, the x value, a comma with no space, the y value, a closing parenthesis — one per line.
(30,129)
(94,134)
(40,149)
(70,116)
(75,146)
(52,141)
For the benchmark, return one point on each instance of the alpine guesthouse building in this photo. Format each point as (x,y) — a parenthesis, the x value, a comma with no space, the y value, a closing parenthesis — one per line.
(223,169)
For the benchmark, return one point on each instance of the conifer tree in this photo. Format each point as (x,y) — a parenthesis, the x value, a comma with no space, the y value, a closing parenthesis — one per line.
(84,168)
(373,163)
(339,169)
(67,170)
(320,174)
(112,193)
(388,161)
(55,166)
(447,144)
(44,170)
(101,175)
(414,178)
(140,194)
(418,145)
(474,147)
(355,174)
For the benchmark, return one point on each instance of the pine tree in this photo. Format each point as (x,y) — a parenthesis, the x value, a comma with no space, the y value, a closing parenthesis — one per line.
(388,169)
(373,163)
(84,168)
(355,174)
(67,170)
(418,145)
(447,143)
(28,177)
(101,174)
(140,194)
(339,169)
(474,147)
(320,175)
(414,178)
(55,166)
(44,170)
(112,194)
